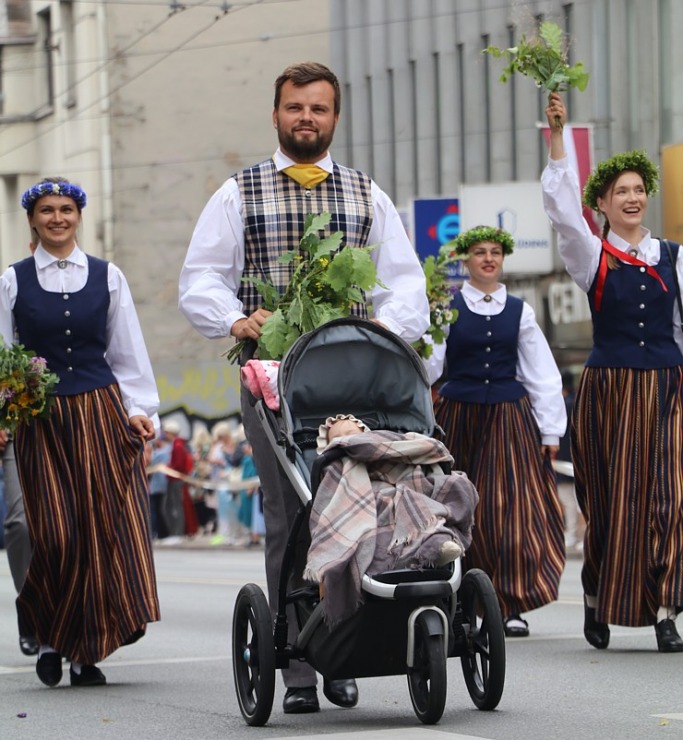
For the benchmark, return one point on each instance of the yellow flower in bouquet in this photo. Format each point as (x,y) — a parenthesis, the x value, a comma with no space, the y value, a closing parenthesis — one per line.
(26,386)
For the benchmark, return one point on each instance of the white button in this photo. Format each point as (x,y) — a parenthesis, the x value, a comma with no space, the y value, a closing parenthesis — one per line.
(67,313)
(488,349)
(486,365)
(488,333)
(68,349)
(640,324)
(642,305)
(70,369)
(486,382)
(488,318)
(68,332)
(642,287)
(308,193)
(642,344)
(65,296)
(61,264)
(642,269)
(633,252)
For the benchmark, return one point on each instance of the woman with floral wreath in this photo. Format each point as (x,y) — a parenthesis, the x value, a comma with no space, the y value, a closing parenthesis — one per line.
(90,586)
(627,438)
(503,414)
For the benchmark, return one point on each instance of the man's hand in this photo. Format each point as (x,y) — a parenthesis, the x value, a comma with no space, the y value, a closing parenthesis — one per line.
(250,328)
(143,426)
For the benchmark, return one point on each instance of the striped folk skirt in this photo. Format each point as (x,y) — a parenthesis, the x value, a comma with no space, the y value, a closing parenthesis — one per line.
(627,448)
(91,585)
(518,535)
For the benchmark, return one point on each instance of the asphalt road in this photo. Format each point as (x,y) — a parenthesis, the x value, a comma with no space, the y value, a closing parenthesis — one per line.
(177,681)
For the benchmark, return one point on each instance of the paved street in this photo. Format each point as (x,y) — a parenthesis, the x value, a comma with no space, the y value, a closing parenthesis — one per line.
(177,681)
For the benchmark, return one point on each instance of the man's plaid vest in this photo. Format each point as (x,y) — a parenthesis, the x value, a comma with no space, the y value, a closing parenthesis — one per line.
(274,208)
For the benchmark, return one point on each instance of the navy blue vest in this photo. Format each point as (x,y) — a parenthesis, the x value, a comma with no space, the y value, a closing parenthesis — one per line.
(67,329)
(481,355)
(634,327)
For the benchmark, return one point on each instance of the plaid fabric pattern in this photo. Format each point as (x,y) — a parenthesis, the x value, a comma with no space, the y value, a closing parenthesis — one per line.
(274,208)
(386,504)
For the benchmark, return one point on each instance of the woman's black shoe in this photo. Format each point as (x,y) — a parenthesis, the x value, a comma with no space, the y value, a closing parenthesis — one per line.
(668,639)
(301,700)
(90,675)
(49,668)
(28,645)
(597,633)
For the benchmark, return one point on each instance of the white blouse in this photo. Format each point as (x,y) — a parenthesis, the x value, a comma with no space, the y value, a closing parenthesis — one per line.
(579,248)
(536,368)
(126,353)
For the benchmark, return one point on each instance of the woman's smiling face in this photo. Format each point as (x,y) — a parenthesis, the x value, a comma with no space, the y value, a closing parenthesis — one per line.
(485,264)
(56,219)
(625,203)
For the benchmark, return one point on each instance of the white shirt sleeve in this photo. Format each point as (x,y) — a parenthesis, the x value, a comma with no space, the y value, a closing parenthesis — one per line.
(211,274)
(126,352)
(538,373)
(8,295)
(403,307)
(579,247)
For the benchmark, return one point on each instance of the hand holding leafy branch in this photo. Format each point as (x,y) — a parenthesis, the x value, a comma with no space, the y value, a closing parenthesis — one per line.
(544,59)
(326,281)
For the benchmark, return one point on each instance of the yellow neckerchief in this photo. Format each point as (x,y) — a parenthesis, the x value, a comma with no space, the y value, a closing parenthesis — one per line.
(308,175)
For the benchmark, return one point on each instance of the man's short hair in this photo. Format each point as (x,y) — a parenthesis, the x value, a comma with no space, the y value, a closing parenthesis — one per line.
(304,73)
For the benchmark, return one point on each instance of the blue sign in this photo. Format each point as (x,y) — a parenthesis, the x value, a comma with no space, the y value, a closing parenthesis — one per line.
(437,221)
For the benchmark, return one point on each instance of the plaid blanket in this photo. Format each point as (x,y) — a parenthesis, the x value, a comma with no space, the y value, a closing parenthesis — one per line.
(386,504)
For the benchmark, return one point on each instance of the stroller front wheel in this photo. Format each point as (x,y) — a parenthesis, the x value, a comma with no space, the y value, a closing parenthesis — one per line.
(483,657)
(427,678)
(253,655)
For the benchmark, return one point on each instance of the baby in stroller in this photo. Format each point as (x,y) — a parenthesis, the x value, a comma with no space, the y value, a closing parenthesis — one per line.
(384,503)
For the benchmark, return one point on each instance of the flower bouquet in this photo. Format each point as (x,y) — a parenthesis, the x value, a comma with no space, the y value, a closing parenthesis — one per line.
(544,59)
(439,293)
(26,387)
(326,281)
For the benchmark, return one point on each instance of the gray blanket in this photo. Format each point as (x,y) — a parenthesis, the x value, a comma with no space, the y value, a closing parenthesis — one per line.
(386,504)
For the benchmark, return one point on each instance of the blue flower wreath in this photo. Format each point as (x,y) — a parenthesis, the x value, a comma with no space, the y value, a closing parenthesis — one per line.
(61,187)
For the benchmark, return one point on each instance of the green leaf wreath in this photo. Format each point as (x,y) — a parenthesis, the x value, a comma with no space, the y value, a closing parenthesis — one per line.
(543,58)
(326,282)
(441,315)
(26,387)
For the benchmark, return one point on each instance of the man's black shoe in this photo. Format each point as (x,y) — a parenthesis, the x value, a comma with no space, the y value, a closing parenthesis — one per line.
(49,668)
(342,692)
(28,645)
(668,639)
(301,700)
(90,675)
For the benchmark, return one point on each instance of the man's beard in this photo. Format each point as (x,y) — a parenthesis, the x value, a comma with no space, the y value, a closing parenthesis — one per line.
(307,149)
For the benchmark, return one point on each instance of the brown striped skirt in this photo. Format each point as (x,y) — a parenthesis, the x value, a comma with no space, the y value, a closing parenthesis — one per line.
(91,584)
(518,533)
(627,448)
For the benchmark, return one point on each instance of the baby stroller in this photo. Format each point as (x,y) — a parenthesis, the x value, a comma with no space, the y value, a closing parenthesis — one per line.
(410,620)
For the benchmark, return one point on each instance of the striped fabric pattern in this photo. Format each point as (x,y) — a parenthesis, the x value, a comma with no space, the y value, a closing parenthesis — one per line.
(628,466)
(274,208)
(91,583)
(518,535)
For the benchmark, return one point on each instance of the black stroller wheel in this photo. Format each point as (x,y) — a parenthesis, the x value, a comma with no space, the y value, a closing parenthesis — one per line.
(483,660)
(427,677)
(253,655)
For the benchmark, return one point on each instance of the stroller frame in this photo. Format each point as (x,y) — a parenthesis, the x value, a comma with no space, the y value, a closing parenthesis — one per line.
(443,612)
